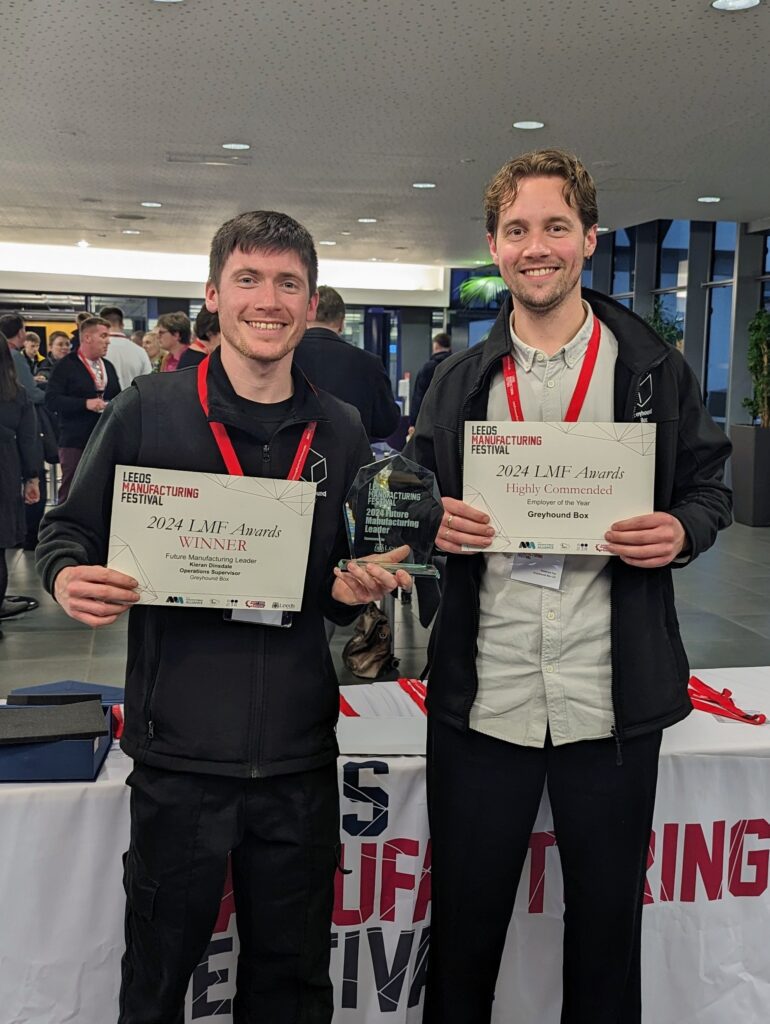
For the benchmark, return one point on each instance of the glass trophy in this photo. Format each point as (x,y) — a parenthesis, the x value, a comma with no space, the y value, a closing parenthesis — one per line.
(394,502)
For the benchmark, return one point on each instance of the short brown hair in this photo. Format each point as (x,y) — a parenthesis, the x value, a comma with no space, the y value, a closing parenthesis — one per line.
(93,321)
(442,339)
(177,323)
(331,307)
(263,230)
(579,188)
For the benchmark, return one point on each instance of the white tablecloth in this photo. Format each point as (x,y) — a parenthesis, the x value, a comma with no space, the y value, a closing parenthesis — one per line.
(706,925)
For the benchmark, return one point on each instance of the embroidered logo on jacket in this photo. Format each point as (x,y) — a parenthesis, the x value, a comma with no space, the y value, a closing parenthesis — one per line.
(643,407)
(316,471)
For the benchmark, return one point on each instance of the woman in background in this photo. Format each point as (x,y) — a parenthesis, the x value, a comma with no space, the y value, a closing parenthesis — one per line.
(151,346)
(59,346)
(20,457)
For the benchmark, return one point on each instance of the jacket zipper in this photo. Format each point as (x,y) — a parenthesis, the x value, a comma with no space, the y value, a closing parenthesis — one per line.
(151,693)
(254,771)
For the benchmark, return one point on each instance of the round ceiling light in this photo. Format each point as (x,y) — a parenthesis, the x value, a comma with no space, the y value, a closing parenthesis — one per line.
(367,220)
(734,5)
(528,126)
(130,231)
(152,206)
(327,243)
(83,244)
(423,184)
(236,145)
(709,199)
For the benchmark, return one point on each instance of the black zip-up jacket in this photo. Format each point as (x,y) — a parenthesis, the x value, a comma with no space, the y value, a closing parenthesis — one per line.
(204,694)
(652,384)
(69,388)
(350,373)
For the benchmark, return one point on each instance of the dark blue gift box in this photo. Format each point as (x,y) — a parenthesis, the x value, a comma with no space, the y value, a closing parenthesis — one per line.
(61,760)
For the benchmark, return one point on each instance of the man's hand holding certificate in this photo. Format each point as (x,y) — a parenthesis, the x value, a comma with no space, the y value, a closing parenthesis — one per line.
(559,487)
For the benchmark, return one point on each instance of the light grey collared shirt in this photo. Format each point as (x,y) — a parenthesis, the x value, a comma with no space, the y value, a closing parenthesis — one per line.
(544,655)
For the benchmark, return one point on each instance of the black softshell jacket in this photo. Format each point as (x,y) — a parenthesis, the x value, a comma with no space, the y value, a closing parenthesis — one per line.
(204,694)
(653,384)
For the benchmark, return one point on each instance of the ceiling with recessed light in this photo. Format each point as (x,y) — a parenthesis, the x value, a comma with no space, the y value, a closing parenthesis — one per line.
(346,105)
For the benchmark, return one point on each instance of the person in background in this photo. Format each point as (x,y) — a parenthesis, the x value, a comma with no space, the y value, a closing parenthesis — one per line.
(138,338)
(75,336)
(441,349)
(200,347)
(174,334)
(78,391)
(151,345)
(59,346)
(12,326)
(20,457)
(345,371)
(566,684)
(207,330)
(128,359)
(32,355)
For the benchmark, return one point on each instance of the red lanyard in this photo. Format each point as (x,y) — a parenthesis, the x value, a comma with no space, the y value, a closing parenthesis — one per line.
(705,698)
(225,445)
(100,382)
(581,388)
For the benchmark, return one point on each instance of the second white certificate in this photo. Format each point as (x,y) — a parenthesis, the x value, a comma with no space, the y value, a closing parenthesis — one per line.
(558,486)
(209,540)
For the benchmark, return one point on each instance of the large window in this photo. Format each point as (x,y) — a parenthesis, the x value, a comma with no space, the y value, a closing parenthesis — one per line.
(723,256)
(623,256)
(717,365)
(672,254)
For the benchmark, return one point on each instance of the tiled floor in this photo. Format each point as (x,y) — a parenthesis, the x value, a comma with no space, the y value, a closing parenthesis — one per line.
(723,601)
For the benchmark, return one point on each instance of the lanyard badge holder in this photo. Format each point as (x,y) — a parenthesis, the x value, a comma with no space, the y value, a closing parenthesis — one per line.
(720,702)
(546,570)
(234,468)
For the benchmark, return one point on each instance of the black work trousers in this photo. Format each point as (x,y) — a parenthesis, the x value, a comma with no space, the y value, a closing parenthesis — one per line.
(283,833)
(483,797)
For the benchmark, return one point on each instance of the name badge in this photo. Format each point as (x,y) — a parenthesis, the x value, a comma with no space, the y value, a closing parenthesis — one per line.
(538,570)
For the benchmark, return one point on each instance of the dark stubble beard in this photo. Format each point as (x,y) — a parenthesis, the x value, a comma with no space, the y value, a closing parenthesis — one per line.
(274,356)
(546,303)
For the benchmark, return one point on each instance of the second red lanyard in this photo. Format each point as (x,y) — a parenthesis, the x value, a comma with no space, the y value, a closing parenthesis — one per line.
(581,388)
(225,445)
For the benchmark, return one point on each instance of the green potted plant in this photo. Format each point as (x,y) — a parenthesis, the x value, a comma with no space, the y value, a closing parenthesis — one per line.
(482,291)
(667,325)
(751,442)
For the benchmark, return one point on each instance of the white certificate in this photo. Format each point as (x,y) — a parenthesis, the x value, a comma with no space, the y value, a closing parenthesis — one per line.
(208,540)
(558,487)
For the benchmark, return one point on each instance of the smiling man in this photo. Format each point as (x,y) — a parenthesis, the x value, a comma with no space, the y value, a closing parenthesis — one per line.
(230,724)
(567,684)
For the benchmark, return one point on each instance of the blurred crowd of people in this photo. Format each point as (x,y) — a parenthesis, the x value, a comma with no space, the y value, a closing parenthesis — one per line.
(52,392)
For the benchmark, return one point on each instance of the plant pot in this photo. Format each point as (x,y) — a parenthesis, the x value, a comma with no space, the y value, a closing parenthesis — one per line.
(751,474)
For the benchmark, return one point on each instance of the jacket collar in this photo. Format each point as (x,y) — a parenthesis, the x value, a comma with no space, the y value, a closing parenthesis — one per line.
(317,333)
(224,406)
(639,347)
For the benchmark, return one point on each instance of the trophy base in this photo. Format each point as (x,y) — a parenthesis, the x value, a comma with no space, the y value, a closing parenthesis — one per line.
(413,568)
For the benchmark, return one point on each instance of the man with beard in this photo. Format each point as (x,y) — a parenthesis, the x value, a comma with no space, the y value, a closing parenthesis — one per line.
(230,724)
(570,687)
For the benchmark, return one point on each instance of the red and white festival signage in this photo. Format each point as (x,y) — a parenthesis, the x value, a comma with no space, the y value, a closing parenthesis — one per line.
(707,896)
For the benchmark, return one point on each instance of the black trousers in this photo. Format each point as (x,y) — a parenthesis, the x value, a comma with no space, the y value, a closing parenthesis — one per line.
(483,797)
(283,833)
